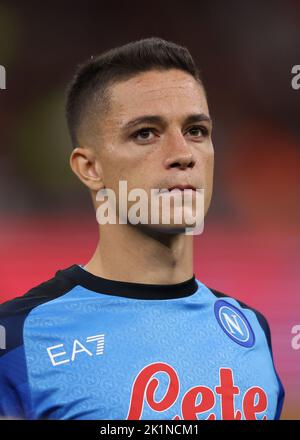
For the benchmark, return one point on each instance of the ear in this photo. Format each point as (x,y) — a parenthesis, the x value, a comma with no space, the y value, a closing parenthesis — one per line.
(86,165)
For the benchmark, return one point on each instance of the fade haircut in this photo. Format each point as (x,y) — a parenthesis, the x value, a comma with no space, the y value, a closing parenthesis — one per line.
(87,94)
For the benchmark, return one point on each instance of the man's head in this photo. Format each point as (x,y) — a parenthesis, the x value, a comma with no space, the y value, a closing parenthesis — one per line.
(139,113)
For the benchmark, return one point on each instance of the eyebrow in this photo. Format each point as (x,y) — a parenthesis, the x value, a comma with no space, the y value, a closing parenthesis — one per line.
(155,119)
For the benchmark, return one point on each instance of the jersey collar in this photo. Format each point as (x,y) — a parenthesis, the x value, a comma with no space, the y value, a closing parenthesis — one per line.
(127,289)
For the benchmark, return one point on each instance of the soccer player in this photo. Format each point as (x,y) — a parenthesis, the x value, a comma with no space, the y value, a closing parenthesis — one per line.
(132,334)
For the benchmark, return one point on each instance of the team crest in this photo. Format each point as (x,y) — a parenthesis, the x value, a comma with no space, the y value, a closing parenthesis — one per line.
(234,323)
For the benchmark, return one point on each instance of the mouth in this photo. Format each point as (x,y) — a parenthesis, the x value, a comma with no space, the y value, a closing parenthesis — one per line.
(177,188)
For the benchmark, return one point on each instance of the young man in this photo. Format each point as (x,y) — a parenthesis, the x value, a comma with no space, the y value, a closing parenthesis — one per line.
(133,334)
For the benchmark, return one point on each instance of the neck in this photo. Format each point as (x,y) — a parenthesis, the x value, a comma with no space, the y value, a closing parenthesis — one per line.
(132,254)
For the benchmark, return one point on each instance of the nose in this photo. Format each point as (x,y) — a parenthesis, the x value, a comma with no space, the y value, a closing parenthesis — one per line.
(179,153)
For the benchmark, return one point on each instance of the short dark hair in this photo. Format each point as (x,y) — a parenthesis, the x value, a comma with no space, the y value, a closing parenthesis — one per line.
(89,87)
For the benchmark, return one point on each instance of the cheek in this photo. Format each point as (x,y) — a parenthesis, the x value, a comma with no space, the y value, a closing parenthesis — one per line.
(207,166)
(210,167)
(114,167)
(115,171)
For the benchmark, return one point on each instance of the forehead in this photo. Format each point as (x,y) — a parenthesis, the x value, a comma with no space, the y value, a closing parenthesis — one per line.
(170,93)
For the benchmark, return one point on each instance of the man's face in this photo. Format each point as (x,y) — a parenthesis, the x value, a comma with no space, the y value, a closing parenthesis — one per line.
(173,147)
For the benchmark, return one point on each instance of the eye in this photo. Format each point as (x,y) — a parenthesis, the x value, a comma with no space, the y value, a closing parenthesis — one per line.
(198,131)
(144,134)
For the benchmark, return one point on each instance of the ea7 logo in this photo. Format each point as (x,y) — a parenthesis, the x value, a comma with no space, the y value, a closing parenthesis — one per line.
(95,348)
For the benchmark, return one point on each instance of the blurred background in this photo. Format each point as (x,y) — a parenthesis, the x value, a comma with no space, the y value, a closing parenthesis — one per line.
(250,248)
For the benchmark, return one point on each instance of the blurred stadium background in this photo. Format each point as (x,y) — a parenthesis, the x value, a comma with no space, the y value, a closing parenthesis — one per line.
(250,246)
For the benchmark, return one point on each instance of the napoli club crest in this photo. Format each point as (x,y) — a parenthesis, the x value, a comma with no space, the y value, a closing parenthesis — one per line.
(234,323)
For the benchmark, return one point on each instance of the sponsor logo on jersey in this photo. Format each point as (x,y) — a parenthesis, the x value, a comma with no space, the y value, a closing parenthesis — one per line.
(65,353)
(234,323)
(198,400)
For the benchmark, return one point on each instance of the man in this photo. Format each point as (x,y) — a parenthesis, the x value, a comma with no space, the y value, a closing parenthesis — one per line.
(133,334)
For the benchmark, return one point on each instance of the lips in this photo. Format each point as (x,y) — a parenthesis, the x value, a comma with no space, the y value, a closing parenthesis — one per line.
(182,187)
(177,187)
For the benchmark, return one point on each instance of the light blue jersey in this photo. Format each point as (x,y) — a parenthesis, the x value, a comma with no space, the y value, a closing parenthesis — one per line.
(83,347)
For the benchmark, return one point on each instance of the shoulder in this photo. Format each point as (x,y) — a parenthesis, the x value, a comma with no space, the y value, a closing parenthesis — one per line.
(14,312)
